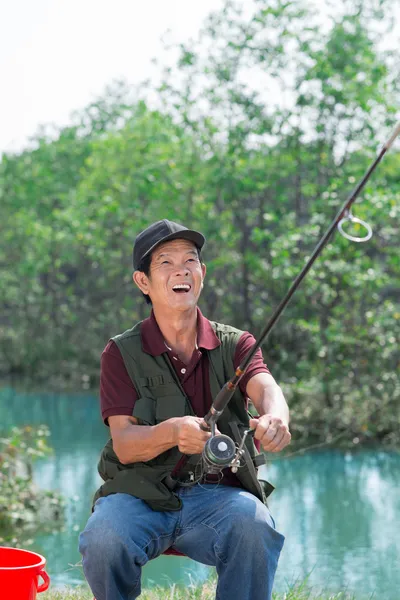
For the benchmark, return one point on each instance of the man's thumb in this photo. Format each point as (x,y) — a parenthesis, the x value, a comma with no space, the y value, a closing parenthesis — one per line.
(253,423)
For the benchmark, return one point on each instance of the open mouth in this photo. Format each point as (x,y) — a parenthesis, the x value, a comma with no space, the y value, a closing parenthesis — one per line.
(181,288)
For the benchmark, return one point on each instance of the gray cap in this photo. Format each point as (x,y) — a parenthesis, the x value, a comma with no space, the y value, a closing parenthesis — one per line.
(162,231)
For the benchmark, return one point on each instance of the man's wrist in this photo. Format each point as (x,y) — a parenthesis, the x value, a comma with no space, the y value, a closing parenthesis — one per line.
(170,428)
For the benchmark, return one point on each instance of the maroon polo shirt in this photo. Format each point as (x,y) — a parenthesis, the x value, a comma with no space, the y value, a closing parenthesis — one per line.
(118,394)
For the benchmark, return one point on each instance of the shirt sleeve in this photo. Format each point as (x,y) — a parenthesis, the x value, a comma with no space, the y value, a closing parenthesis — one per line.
(257,365)
(117,392)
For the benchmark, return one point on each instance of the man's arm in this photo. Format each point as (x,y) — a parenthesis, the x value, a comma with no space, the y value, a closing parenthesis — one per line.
(272,428)
(133,442)
(136,443)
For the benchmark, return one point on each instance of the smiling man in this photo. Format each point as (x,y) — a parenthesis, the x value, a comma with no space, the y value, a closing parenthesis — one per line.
(158,381)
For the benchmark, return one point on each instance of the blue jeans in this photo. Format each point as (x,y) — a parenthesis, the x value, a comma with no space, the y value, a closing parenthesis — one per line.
(218,525)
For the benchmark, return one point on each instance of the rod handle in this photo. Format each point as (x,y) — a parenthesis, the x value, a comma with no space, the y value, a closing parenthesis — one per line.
(223,397)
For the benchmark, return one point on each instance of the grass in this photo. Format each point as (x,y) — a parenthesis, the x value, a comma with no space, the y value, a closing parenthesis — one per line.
(192,592)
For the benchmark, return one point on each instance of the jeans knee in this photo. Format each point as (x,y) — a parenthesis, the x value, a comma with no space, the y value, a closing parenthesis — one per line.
(255,532)
(249,530)
(96,543)
(101,544)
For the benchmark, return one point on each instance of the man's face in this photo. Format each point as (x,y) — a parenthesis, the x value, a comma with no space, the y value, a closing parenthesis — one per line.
(176,276)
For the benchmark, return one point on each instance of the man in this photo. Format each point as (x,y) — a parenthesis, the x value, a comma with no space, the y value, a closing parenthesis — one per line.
(157,382)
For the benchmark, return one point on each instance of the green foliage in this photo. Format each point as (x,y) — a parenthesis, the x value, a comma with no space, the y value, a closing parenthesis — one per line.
(23,507)
(222,150)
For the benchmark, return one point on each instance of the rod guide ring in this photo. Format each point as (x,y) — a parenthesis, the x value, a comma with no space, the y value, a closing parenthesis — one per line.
(348,217)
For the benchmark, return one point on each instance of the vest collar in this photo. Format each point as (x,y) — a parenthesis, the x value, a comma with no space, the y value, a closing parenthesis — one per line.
(153,340)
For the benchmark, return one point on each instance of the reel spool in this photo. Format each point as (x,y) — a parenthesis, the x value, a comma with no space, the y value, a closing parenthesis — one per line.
(218,453)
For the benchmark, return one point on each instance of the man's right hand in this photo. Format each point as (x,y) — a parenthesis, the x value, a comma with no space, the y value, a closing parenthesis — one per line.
(190,438)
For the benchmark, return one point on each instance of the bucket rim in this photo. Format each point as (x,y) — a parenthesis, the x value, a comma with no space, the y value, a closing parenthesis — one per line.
(41,562)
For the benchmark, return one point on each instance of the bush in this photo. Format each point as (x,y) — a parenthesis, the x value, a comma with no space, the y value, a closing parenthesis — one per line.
(22,504)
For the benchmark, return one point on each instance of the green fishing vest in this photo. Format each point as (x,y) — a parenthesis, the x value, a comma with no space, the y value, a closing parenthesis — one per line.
(161,397)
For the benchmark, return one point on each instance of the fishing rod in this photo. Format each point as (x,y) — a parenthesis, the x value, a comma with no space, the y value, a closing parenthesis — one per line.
(220,451)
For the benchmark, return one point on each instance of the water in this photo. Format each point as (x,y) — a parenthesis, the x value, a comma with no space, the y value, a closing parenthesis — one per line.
(339,511)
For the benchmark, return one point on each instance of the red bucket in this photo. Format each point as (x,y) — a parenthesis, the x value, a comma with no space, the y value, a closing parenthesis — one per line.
(19,574)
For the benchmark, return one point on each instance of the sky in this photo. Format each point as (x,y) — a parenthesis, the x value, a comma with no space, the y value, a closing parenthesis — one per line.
(58,55)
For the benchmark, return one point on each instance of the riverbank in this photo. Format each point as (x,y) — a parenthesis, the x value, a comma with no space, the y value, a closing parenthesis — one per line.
(204,592)
(313,430)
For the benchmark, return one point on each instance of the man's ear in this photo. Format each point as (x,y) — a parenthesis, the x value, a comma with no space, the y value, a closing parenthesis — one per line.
(203,269)
(142,281)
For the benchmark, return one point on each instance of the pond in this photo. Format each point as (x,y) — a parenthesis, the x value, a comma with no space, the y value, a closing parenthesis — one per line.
(339,511)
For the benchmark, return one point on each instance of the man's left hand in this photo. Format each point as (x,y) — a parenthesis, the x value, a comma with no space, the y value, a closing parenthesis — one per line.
(272,432)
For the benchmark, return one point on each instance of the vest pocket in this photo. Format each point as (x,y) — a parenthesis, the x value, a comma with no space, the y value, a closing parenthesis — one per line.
(171,406)
(162,390)
(145,410)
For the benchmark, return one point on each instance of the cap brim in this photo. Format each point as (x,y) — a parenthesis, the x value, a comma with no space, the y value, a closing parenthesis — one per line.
(187,234)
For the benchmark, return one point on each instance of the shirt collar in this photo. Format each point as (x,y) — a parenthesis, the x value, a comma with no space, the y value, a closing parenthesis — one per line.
(153,340)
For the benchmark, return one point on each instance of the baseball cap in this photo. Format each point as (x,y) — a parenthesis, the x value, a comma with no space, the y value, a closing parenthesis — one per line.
(162,231)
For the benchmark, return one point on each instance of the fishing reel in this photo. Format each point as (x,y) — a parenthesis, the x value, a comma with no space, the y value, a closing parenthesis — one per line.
(218,453)
(221,451)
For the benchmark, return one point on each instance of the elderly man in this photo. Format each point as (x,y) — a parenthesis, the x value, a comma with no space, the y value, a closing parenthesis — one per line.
(158,380)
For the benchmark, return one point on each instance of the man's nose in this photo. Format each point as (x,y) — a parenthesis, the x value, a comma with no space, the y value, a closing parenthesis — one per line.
(182,270)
